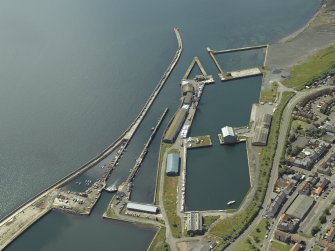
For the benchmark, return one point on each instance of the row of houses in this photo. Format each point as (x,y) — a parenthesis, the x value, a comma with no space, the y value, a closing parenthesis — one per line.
(309,156)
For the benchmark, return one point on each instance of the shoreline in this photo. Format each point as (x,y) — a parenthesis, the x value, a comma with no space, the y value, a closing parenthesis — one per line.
(296,33)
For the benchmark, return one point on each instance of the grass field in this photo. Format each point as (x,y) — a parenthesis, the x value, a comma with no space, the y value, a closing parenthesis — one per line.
(255,239)
(163,148)
(269,95)
(311,68)
(280,246)
(229,228)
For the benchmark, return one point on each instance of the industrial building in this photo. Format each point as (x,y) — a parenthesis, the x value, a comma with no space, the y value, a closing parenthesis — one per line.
(142,208)
(194,223)
(262,130)
(172,164)
(175,126)
(300,207)
(228,135)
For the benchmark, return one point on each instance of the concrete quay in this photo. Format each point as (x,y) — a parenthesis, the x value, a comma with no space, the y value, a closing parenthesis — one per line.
(20,219)
(140,159)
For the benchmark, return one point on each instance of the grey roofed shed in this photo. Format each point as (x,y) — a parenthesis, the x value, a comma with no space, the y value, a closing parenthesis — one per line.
(172,164)
(300,206)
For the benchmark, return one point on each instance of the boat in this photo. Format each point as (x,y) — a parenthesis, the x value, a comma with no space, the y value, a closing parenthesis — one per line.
(231,202)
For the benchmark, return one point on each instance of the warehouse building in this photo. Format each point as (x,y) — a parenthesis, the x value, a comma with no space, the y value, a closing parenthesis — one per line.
(172,164)
(194,223)
(142,208)
(175,126)
(262,130)
(228,135)
(300,207)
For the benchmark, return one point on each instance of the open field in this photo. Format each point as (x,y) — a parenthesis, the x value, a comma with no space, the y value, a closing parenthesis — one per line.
(280,246)
(163,148)
(311,68)
(231,227)
(255,239)
(269,95)
(170,204)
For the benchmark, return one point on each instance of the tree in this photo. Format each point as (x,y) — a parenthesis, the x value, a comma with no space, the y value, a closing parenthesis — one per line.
(315,230)
(326,211)
(323,219)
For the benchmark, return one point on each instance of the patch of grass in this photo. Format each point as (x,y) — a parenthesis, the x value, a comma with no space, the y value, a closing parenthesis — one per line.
(170,204)
(163,148)
(281,246)
(311,68)
(230,228)
(255,239)
(158,243)
(269,95)
(209,220)
(316,249)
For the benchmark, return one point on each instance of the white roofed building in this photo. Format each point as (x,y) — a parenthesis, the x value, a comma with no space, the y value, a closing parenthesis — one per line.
(142,208)
(228,135)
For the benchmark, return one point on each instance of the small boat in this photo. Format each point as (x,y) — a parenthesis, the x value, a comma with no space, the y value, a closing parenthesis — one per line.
(231,202)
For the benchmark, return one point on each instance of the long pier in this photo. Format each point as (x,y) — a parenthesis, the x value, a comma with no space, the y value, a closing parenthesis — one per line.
(144,152)
(238,49)
(17,221)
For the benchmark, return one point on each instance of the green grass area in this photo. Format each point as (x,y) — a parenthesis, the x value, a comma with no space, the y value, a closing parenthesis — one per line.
(316,249)
(311,68)
(209,220)
(158,243)
(170,204)
(281,246)
(255,239)
(203,141)
(229,228)
(269,95)
(163,148)
(296,123)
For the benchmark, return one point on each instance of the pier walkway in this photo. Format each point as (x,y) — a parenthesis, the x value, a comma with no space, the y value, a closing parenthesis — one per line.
(17,221)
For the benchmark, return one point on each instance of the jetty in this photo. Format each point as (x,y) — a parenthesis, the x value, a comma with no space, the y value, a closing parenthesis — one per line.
(194,62)
(17,221)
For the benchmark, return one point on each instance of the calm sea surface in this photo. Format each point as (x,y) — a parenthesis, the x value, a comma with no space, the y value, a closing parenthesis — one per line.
(75,73)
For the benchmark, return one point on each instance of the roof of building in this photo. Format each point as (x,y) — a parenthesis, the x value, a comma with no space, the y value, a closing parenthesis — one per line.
(187,88)
(331,234)
(300,206)
(142,207)
(172,163)
(188,98)
(227,131)
(175,125)
(280,235)
(266,120)
(295,247)
(194,221)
